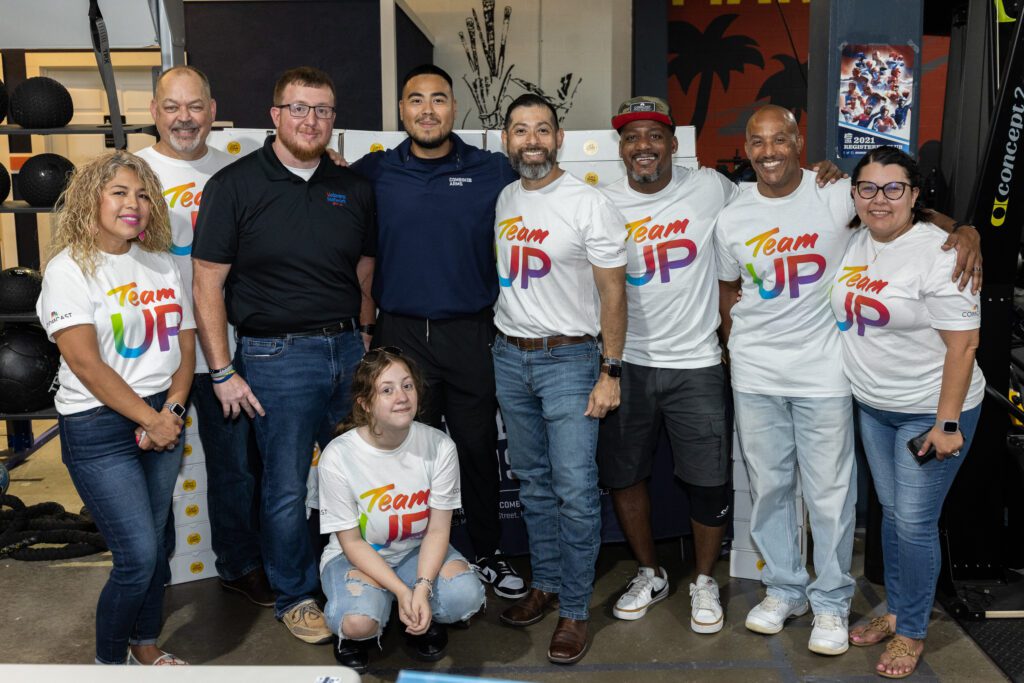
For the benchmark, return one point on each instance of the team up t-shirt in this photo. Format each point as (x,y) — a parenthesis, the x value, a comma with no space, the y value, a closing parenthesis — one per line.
(183,183)
(889,300)
(671,280)
(786,251)
(136,303)
(547,240)
(386,494)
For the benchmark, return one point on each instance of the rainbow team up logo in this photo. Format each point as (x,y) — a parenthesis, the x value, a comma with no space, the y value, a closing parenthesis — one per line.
(787,265)
(401,525)
(863,310)
(664,256)
(162,320)
(520,264)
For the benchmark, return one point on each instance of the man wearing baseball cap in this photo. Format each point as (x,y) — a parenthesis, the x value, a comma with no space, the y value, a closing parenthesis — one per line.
(672,374)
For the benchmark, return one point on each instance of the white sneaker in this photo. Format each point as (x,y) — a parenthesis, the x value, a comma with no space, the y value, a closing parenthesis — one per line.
(645,589)
(705,607)
(770,616)
(830,635)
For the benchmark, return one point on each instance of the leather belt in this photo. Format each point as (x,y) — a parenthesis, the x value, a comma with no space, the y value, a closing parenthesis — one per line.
(535,343)
(346,325)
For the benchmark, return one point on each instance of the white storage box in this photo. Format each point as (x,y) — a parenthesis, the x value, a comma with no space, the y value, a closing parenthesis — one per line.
(191,479)
(191,421)
(191,538)
(187,567)
(192,453)
(190,509)
(747,564)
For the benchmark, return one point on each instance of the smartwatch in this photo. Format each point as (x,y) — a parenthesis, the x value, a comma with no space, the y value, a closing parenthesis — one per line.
(176,408)
(950,426)
(612,367)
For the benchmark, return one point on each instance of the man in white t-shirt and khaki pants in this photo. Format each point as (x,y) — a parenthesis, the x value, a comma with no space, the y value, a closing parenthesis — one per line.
(782,242)
(561,267)
(184,110)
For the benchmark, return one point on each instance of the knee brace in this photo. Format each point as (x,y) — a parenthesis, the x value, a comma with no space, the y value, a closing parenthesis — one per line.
(709,505)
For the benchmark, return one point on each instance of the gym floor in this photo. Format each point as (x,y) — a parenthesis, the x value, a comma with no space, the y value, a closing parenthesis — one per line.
(47,617)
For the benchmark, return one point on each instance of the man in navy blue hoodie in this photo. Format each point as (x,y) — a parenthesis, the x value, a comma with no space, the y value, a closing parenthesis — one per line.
(435,284)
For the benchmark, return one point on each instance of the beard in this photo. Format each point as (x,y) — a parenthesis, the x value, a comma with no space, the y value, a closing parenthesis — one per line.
(644,179)
(184,146)
(533,170)
(430,143)
(299,150)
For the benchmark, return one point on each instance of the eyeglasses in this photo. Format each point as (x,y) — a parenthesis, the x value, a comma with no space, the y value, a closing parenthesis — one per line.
(894,190)
(374,354)
(301,111)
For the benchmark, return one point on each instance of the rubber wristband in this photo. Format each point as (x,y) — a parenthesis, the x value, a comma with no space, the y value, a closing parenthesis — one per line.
(223,378)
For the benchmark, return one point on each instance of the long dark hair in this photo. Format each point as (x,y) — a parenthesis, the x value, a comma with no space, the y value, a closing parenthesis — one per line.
(364,387)
(887,155)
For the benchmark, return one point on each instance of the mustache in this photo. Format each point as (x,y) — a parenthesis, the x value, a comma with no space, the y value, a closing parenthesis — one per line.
(190,126)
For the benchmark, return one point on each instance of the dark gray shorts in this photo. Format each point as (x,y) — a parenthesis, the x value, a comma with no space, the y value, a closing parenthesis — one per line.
(691,404)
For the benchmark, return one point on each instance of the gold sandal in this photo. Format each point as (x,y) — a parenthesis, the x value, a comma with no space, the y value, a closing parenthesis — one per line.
(877,625)
(897,648)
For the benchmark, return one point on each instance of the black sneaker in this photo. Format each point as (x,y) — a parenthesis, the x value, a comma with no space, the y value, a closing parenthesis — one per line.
(496,571)
(355,654)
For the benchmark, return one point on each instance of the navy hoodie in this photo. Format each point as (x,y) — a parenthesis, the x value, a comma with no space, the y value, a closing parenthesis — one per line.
(435,246)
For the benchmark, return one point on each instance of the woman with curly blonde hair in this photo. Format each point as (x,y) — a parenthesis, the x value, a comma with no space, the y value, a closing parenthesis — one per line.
(116,307)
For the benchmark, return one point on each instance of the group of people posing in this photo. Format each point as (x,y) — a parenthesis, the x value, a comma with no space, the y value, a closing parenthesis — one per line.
(358,307)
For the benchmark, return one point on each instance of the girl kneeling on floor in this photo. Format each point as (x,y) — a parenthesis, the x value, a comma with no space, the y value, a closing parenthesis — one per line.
(388,486)
(117,309)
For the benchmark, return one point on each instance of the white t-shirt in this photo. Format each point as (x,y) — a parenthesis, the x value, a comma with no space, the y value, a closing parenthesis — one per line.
(547,240)
(889,299)
(671,281)
(137,304)
(387,495)
(183,183)
(786,250)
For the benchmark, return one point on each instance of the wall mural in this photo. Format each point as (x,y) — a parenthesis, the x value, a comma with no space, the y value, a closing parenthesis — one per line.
(491,82)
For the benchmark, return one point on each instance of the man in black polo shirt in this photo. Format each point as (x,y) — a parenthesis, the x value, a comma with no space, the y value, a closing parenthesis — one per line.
(284,250)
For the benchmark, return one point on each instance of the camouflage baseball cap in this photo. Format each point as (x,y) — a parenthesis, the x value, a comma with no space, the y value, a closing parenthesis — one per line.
(643,108)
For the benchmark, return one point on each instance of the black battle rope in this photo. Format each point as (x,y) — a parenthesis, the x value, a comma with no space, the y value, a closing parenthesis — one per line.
(22,527)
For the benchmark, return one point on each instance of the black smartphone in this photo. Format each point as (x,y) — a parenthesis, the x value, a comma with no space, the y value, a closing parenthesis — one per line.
(914,446)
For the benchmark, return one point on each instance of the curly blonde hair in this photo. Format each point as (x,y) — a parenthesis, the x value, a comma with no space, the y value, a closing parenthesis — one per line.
(78,209)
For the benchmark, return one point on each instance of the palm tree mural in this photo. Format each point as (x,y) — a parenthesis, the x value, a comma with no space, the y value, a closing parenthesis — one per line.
(703,56)
(787,88)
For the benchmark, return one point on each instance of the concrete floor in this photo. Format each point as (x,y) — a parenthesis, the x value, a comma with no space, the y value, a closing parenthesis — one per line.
(46,616)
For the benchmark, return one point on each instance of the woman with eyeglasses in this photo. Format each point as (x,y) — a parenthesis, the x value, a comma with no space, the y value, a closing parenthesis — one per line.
(388,486)
(909,336)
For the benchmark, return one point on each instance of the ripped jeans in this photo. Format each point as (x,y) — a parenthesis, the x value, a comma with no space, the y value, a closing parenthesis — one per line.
(454,599)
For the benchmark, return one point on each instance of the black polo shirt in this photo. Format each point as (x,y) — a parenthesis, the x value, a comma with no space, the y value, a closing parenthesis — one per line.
(292,244)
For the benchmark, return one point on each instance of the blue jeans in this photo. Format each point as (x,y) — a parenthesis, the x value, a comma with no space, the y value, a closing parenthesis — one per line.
(911,496)
(232,484)
(454,599)
(551,447)
(304,384)
(777,434)
(128,492)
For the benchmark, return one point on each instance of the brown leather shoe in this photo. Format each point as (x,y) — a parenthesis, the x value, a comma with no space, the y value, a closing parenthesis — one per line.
(569,641)
(253,586)
(530,608)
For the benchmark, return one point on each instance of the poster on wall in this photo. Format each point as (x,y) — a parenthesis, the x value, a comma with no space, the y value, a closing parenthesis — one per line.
(876,87)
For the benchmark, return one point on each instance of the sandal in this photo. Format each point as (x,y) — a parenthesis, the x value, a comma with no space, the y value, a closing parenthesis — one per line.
(876,625)
(166,659)
(896,648)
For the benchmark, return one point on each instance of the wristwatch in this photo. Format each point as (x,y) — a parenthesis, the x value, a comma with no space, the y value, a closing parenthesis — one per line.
(612,367)
(950,426)
(176,408)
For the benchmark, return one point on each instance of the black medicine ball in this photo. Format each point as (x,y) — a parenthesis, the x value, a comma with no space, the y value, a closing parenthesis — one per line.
(5,183)
(28,367)
(3,101)
(19,289)
(43,177)
(41,102)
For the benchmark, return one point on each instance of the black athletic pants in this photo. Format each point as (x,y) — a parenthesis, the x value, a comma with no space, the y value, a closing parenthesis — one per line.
(455,358)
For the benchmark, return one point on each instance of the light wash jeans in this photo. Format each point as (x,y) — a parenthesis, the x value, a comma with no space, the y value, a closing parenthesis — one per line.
(552,448)
(777,434)
(454,599)
(911,496)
